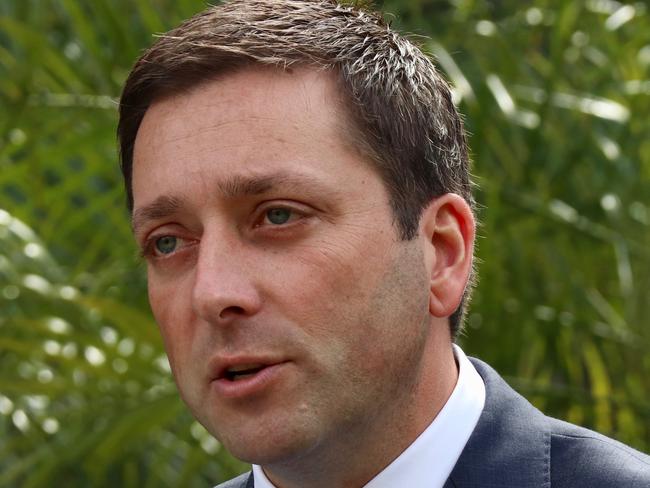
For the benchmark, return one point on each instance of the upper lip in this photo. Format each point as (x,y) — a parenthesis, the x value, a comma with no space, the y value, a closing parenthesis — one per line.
(219,366)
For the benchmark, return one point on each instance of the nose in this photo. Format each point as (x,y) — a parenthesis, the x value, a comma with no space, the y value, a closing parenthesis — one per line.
(225,287)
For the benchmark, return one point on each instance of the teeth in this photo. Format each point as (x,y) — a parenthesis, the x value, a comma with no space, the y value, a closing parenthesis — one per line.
(243,367)
(237,377)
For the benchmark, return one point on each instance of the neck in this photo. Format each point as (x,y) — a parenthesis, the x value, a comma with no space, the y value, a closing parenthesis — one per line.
(366,448)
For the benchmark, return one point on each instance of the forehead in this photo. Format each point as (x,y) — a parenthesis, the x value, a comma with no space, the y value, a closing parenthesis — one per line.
(303,96)
(251,121)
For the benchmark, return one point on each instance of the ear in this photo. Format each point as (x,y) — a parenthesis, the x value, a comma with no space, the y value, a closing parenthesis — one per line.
(448,227)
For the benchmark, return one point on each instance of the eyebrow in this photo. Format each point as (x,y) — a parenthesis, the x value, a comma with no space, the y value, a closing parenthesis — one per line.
(240,186)
(236,186)
(161,207)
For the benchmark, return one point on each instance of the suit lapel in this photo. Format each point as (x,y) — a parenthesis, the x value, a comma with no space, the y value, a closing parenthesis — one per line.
(250,483)
(511,444)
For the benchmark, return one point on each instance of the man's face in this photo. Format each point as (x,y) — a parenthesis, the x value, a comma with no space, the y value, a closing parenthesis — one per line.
(292,314)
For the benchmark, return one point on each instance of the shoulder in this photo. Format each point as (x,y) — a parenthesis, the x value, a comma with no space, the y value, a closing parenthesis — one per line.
(514,444)
(579,455)
(242,481)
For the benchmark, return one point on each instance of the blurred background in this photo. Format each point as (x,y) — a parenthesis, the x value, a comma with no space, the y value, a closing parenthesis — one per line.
(557,102)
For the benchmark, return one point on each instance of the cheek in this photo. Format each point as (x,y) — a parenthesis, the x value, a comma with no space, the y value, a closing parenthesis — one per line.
(347,262)
(171,309)
(333,290)
(322,281)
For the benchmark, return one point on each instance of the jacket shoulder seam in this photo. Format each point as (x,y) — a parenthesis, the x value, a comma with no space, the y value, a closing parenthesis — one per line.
(609,442)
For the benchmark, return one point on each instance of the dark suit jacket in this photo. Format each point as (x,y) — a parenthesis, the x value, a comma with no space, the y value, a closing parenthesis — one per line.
(514,445)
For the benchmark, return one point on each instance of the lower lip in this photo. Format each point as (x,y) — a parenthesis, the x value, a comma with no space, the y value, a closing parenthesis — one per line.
(249,385)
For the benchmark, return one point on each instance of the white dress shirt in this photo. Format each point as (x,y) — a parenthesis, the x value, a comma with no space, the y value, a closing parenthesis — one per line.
(429,460)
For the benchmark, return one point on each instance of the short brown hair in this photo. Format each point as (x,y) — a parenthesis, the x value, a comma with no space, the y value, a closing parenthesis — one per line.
(400,106)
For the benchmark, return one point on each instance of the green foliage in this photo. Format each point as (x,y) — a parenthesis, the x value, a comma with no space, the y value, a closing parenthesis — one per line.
(556,98)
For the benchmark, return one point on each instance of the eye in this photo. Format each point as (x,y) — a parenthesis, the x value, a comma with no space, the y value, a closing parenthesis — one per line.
(166,244)
(162,246)
(278,216)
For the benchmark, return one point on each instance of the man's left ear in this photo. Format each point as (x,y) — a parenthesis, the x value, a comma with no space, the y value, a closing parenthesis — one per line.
(448,226)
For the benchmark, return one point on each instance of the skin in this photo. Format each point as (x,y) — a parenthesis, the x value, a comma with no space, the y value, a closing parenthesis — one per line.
(356,317)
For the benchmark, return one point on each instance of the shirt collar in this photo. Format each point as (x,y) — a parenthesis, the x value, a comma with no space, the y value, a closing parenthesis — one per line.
(429,460)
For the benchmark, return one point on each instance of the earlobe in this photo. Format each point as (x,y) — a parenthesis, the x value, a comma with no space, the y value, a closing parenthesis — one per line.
(448,226)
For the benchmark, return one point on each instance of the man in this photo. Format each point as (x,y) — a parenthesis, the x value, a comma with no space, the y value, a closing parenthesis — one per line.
(299,185)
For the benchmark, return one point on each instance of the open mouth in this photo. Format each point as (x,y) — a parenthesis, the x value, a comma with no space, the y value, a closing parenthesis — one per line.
(236,373)
(237,379)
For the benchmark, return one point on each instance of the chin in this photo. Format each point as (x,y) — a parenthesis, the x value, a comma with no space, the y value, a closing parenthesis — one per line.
(263,453)
(264,447)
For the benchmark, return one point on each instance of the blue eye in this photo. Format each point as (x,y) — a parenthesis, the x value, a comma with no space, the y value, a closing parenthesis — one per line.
(166,244)
(278,216)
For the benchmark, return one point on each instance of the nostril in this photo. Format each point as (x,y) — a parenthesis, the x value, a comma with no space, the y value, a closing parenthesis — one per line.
(230,297)
(232,310)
